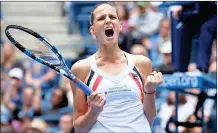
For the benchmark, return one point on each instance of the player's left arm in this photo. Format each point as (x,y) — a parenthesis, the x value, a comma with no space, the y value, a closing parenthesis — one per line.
(150,80)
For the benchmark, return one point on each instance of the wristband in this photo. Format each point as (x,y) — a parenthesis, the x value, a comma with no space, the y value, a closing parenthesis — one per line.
(150,92)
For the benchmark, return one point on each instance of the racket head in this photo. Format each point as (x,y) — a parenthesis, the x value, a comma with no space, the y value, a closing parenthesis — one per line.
(43,52)
(40,49)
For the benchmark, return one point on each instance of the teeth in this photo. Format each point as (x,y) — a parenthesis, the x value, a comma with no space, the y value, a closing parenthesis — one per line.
(108,28)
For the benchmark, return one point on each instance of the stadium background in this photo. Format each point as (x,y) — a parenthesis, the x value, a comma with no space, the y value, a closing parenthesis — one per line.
(66,24)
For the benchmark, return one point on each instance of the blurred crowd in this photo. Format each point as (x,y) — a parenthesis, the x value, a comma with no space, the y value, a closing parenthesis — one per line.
(36,98)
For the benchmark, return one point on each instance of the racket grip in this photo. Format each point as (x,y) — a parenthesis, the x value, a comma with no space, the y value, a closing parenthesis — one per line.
(83,87)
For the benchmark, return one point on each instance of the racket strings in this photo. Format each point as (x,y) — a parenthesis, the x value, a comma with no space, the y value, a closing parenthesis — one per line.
(37,48)
(47,56)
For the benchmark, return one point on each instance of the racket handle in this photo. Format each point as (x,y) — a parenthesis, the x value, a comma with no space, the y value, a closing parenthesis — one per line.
(83,87)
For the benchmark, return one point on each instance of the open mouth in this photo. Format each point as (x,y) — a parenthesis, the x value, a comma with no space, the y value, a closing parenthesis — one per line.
(109,32)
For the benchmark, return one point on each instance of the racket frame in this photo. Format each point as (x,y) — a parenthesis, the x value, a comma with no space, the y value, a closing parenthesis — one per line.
(63,70)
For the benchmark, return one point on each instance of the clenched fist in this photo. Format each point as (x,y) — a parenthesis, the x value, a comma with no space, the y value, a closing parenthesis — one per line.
(153,80)
(96,102)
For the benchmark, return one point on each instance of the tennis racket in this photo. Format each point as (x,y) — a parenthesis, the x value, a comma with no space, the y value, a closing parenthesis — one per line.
(41,50)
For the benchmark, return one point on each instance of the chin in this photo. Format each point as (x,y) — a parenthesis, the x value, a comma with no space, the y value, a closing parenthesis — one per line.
(111,42)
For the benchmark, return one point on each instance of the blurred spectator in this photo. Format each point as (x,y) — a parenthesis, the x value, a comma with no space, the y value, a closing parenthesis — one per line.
(66,124)
(7,128)
(22,124)
(145,22)
(167,110)
(189,20)
(6,115)
(37,126)
(40,74)
(28,103)
(4,84)
(138,49)
(209,103)
(166,63)
(192,119)
(9,60)
(166,67)
(67,88)
(26,110)
(160,44)
(123,16)
(57,101)
(213,67)
(125,38)
(192,67)
(208,106)
(12,98)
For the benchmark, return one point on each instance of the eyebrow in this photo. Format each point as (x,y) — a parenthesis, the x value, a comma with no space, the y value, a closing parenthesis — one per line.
(103,15)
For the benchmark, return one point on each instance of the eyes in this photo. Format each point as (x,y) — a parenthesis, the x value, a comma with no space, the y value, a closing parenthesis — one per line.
(104,17)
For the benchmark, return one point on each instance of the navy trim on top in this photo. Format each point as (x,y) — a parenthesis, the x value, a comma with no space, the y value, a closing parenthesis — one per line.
(90,77)
(138,73)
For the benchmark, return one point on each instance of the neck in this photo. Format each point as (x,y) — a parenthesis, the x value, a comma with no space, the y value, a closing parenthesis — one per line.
(165,38)
(112,52)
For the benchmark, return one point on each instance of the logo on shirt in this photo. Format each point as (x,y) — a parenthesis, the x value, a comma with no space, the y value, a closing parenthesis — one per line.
(117,89)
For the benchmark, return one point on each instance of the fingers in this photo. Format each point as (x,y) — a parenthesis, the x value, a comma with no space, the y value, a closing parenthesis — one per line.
(96,102)
(150,78)
(92,96)
(155,77)
(160,75)
(96,97)
(101,101)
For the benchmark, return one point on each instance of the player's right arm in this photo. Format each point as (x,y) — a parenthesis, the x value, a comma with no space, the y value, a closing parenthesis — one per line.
(84,116)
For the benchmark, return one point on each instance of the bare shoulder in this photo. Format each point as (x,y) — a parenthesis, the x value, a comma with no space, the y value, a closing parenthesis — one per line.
(141,60)
(81,68)
(142,63)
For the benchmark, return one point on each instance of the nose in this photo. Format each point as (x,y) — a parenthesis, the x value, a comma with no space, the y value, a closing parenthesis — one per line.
(108,20)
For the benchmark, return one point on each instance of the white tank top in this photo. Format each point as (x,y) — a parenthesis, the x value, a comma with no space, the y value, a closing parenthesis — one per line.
(123,110)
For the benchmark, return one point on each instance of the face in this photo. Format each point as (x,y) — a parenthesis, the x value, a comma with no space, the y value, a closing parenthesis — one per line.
(121,12)
(138,50)
(66,123)
(16,83)
(57,97)
(142,9)
(10,50)
(192,67)
(28,95)
(171,97)
(106,25)
(167,58)
(165,28)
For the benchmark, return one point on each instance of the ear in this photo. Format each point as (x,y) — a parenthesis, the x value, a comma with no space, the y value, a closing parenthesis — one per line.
(92,30)
(121,27)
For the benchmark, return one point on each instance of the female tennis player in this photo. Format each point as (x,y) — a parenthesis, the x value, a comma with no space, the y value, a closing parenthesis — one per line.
(124,85)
